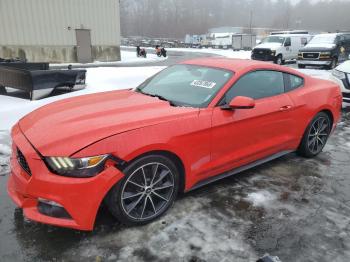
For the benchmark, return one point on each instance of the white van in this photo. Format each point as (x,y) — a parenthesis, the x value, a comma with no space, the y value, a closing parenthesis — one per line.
(279,48)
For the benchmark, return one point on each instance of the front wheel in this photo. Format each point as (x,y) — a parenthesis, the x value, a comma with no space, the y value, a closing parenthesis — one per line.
(333,64)
(149,188)
(315,136)
(279,60)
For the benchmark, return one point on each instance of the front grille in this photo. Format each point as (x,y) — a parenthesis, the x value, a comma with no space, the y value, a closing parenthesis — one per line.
(261,54)
(311,55)
(23,162)
(346,95)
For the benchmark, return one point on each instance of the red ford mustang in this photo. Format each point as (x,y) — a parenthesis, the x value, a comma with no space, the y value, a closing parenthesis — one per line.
(189,125)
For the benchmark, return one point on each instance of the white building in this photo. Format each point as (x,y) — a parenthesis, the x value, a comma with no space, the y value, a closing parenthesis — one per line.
(60,30)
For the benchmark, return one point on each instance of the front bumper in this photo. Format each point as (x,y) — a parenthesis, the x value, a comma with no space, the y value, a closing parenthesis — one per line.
(314,62)
(80,197)
(263,57)
(345,89)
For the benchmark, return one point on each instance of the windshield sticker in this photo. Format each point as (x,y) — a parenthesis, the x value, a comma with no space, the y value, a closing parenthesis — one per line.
(202,83)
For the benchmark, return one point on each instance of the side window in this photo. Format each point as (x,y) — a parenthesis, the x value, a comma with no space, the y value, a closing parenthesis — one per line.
(303,41)
(293,82)
(347,39)
(288,42)
(257,84)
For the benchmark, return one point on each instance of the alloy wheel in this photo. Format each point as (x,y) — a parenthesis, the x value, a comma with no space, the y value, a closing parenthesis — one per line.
(318,135)
(147,191)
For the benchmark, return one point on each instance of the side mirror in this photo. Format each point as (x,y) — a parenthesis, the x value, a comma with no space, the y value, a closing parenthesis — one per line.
(240,102)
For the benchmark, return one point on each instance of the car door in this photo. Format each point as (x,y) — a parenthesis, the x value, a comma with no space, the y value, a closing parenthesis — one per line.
(245,135)
(288,48)
(296,45)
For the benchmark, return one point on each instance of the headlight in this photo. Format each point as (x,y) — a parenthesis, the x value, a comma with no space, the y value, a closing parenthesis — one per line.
(76,167)
(338,74)
(325,53)
(273,52)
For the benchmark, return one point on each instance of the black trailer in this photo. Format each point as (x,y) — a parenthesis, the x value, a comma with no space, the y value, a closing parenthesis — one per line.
(37,79)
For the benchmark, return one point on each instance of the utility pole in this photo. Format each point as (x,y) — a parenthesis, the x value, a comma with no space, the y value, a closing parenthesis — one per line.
(251,21)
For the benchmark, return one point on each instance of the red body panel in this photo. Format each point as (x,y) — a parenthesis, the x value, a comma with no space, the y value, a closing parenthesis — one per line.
(208,141)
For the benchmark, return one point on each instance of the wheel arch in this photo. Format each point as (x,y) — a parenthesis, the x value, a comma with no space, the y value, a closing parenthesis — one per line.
(329,113)
(174,158)
(321,110)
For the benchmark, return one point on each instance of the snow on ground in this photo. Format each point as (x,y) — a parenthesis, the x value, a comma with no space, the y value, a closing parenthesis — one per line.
(323,74)
(127,58)
(98,79)
(5,151)
(226,53)
(261,198)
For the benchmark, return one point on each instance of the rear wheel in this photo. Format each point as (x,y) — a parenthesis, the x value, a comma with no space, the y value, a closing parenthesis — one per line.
(315,136)
(149,188)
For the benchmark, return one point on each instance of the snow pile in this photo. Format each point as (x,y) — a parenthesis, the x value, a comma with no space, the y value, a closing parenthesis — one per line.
(98,79)
(261,198)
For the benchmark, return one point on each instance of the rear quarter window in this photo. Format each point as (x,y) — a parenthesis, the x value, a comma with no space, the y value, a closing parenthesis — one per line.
(293,82)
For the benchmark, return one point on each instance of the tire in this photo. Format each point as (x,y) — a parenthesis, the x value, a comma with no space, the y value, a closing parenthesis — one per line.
(279,60)
(301,66)
(315,136)
(133,203)
(333,64)
(3,90)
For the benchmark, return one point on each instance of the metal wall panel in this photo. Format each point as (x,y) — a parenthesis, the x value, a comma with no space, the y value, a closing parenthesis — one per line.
(47,22)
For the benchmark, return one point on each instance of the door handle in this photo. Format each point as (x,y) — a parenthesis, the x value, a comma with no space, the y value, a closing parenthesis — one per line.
(285,108)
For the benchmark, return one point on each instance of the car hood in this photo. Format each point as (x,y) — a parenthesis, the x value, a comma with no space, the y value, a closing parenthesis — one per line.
(65,127)
(344,67)
(269,45)
(317,47)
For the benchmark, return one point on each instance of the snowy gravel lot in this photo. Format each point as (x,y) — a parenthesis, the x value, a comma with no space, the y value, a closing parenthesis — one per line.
(294,208)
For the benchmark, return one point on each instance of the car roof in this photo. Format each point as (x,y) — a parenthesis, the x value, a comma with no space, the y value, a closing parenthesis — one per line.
(237,65)
(330,34)
(290,35)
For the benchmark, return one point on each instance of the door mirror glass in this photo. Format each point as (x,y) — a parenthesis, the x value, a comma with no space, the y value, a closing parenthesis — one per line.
(241,102)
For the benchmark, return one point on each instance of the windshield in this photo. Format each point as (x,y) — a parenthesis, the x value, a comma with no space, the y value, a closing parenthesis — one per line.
(186,85)
(323,39)
(274,39)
